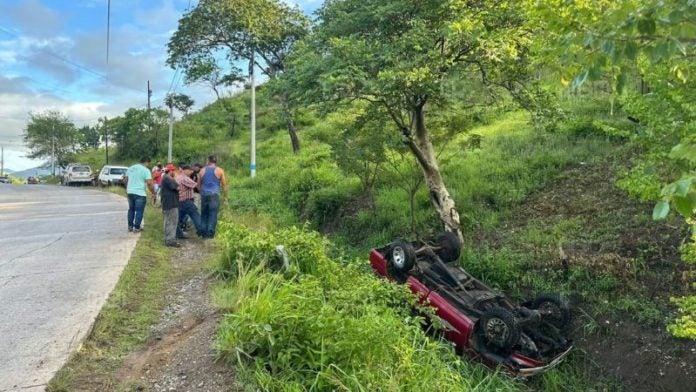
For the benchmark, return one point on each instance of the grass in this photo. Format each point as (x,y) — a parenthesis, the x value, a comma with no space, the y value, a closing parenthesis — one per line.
(493,187)
(124,322)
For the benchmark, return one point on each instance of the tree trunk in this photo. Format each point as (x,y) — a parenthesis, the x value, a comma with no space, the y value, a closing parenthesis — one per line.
(422,148)
(292,130)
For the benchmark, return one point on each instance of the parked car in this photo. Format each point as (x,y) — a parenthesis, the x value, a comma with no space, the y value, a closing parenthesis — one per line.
(77,174)
(4,180)
(32,180)
(526,339)
(111,175)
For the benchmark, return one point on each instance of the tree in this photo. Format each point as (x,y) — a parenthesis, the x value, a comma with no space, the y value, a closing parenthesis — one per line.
(130,132)
(657,39)
(89,137)
(180,102)
(262,30)
(51,134)
(398,54)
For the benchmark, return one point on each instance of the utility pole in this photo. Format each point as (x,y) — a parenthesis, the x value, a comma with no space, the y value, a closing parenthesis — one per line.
(171,130)
(2,161)
(149,122)
(53,149)
(106,138)
(253,116)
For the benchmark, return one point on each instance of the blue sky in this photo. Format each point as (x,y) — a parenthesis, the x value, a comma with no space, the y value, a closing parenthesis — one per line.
(53,57)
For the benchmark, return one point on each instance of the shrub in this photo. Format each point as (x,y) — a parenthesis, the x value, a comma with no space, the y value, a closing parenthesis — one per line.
(329,325)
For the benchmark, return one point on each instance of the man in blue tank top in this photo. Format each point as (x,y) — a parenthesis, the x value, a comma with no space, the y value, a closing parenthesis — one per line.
(211,181)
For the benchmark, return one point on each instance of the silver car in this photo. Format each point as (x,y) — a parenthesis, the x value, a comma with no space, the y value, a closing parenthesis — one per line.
(77,174)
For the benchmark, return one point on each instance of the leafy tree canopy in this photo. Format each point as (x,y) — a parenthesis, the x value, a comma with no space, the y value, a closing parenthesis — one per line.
(399,55)
(51,132)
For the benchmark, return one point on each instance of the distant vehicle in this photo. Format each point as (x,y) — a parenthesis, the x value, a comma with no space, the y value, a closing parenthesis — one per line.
(77,174)
(4,180)
(111,175)
(32,180)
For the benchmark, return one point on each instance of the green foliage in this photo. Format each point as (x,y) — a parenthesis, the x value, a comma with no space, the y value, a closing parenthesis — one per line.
(180,102)
(329,325)
(139,133)
(260,32)
(51,133)
(685,325)
(90,137)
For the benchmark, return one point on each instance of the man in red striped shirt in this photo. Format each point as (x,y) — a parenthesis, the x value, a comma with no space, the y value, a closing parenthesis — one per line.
(186,204)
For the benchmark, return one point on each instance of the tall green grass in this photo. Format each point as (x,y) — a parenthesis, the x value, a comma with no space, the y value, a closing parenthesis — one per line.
(328,325)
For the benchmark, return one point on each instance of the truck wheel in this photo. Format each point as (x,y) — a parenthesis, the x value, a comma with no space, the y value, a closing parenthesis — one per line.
(402,256)
(449,246)
(554,309)
(499,328)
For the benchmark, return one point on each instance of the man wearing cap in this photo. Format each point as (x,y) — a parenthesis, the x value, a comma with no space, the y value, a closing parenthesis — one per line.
(211,182)
(187,208)
(170,205)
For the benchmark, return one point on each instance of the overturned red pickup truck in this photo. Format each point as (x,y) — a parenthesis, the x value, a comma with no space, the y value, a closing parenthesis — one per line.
(526,339)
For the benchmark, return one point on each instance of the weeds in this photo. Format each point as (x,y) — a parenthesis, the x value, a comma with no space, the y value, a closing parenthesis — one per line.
(328,325)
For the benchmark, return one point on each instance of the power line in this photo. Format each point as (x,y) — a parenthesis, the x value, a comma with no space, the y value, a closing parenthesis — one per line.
(59,57)
(74,64)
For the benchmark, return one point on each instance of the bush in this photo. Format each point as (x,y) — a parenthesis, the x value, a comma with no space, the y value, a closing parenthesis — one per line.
(329,325)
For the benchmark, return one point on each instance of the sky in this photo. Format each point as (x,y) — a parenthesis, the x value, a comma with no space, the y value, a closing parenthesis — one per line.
(53,57)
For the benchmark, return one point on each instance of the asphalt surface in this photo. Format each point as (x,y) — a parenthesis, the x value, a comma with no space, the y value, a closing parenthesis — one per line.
(62,251)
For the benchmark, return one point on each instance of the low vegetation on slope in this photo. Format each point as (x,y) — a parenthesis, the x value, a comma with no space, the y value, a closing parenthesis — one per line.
(328,325)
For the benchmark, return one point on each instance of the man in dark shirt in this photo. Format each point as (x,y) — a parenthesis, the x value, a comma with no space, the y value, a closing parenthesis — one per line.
(170,206)
(187,208)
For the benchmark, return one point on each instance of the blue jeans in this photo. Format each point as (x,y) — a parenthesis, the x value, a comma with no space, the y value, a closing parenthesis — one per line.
(210,205)
(188,209)
(136,208)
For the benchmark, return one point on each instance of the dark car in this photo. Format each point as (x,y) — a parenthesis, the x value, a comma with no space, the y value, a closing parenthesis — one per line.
(526,339)
(4,180)
(32,180)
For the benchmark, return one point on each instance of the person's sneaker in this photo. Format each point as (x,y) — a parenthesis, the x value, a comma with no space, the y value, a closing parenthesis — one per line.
(173,245)
(130,229)
(137,229)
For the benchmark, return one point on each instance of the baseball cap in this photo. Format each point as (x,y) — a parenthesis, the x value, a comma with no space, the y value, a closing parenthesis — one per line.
(170,168)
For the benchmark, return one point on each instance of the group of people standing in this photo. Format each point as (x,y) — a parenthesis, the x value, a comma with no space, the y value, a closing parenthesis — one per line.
(181,189)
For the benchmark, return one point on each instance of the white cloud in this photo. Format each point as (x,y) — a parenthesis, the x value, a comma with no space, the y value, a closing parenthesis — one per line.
(35,79)
(33,18)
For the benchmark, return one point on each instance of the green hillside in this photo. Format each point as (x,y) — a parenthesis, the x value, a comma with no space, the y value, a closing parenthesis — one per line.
(555,140)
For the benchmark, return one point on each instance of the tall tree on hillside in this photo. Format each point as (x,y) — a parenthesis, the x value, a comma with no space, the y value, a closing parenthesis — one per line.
(264,30)
(50,133)
(397,56)
(180,102)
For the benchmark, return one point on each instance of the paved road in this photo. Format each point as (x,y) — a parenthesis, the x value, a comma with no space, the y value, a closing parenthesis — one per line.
(61,253)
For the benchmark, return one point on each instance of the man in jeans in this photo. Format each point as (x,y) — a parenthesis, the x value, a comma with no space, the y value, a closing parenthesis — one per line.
(138,179)
(187,207)
(170,206)
(211,181)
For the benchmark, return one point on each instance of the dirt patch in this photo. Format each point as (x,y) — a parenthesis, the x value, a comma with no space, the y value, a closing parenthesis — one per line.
(180,354)
(643,358)
(613,234)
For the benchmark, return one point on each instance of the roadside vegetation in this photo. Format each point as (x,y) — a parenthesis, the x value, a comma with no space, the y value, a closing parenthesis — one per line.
(557,159)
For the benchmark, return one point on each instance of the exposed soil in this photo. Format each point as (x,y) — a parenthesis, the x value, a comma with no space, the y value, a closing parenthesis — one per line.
(180,355)
(642,357)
